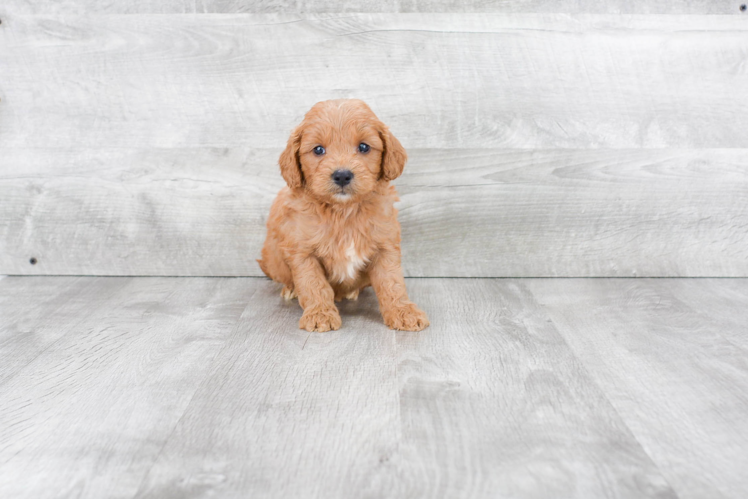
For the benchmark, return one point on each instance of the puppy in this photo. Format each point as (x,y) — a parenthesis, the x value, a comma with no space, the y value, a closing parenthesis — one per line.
(333,230)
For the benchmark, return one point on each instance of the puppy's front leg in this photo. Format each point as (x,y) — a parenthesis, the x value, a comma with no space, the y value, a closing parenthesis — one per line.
(397,310)
(315,294)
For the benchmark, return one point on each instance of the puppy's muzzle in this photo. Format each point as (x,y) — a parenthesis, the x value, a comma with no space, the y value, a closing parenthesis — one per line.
(342,177)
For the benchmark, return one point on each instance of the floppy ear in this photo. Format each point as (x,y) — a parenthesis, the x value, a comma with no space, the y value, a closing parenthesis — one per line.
(393,156)
(290,163)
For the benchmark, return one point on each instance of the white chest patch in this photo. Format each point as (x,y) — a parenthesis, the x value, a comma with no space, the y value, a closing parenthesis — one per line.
(354,262)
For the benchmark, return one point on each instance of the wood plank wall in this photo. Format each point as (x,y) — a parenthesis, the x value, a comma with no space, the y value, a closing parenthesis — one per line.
(566,138)
(358,6)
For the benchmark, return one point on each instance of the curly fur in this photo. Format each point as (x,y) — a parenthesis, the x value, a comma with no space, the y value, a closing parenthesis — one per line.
(327,243)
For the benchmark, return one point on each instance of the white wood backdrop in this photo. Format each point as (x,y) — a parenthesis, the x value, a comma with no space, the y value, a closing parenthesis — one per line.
(356,6)
(544,140)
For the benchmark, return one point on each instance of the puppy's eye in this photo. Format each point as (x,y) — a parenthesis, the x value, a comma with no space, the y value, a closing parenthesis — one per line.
(363,147)
(319,150)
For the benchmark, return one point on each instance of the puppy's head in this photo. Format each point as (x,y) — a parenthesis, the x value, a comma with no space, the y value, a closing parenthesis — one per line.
(340,151)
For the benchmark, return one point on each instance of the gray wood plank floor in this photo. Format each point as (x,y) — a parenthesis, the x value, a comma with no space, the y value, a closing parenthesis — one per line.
(142,387)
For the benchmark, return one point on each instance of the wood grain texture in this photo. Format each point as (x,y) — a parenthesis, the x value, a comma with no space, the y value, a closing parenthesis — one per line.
(88,415)
(204,387)
(137,212)
(439,80)
(319,6)
(201,211)
(494,404)
(177,390)
(670,356)
(37,313)
(725,304)
(286,413)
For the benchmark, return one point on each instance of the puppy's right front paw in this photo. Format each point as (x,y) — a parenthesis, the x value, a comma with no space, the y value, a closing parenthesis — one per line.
(320,320)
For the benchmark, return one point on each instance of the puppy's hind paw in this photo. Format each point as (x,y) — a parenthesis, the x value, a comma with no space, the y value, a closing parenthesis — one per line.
(288,293)
(408,318)
(320,320)
(348,296)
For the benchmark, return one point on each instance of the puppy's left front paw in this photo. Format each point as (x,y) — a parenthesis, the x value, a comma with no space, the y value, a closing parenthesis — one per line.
(407,317)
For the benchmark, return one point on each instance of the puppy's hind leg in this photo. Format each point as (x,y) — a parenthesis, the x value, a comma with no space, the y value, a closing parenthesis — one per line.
(351,295)
(366,281)
(275,268)
(288,292)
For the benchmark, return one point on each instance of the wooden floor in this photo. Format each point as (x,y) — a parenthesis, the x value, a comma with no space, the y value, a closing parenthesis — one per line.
(178,387)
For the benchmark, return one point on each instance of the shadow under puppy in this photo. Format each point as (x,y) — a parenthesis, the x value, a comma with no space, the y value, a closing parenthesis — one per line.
(333,230)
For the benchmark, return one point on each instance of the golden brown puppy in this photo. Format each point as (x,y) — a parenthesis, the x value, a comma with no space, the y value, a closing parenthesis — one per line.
(334,231)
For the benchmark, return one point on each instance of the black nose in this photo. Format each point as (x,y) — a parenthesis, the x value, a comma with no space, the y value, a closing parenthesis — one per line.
(342,177)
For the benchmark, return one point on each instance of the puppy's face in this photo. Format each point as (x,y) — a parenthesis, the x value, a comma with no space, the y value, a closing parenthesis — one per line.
(340,152)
